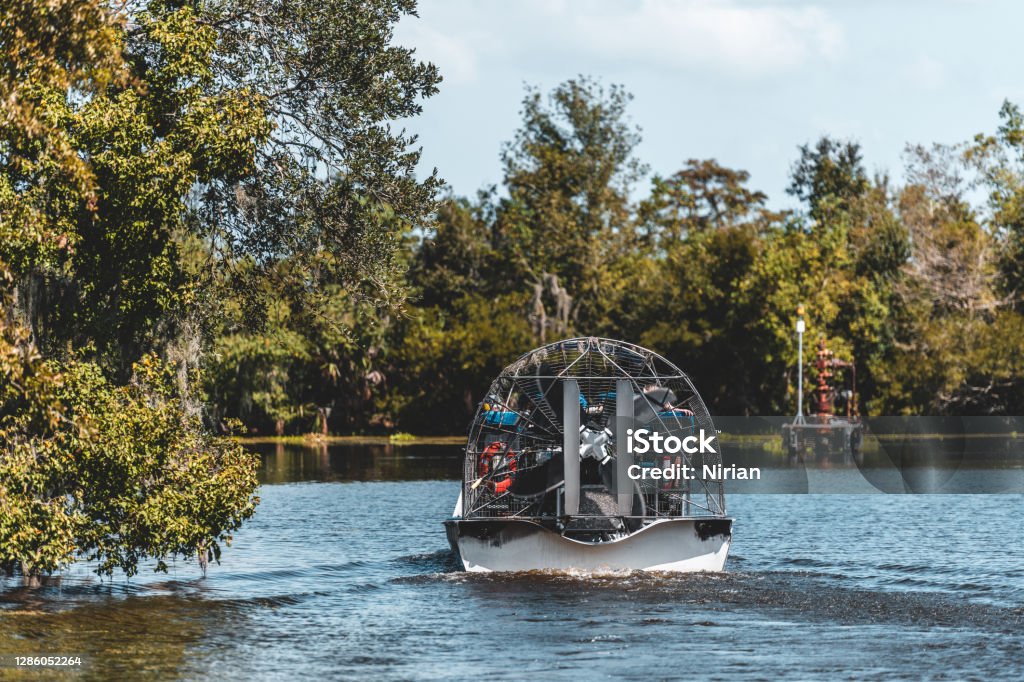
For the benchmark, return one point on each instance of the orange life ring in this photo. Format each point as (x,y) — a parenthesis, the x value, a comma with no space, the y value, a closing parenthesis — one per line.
(497,449)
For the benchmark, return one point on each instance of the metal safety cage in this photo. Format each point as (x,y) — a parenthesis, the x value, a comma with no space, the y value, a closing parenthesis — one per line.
(549,439)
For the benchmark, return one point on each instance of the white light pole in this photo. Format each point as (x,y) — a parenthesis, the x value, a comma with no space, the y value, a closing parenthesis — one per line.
(800,364)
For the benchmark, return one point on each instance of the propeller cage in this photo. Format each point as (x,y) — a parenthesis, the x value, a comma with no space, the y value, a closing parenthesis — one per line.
(551,438)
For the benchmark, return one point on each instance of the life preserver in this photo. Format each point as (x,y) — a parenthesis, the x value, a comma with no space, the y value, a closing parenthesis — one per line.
(497,449)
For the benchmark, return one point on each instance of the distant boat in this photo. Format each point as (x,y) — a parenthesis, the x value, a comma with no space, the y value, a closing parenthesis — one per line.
(550,481)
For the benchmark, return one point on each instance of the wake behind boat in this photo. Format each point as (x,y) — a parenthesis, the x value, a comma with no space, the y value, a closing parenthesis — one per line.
(560,471)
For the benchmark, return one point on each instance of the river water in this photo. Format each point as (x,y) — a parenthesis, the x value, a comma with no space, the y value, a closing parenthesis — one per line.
(344,573)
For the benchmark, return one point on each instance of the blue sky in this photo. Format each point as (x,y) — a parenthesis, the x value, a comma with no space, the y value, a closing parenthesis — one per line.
(742,82)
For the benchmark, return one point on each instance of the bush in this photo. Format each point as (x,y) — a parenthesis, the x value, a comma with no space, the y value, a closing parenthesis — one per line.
(126,474)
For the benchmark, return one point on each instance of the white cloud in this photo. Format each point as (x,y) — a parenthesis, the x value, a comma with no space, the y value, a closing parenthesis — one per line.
(728,36)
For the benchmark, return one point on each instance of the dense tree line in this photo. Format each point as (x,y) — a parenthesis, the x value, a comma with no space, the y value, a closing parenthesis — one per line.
(920,283)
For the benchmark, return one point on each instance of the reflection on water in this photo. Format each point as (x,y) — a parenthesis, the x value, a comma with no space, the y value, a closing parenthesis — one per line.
(344,573)
(933,465)
(285,463)
(923,466)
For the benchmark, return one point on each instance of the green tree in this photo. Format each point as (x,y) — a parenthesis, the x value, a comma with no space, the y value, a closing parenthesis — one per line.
(88,468)
(693,311)
(828,176)
(264,144)
(490,272)
(728,274)
(469,319)
(255,374)
(148,152)
(702,196)
(568,173)
(119,479)
(323,215)
(447,358)
(147,143)
(684,296)
(951,301)
(334,187)
(999,159)
(39,64)
(460,255)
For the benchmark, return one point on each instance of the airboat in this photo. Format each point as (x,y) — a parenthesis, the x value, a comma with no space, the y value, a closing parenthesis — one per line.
(553,478)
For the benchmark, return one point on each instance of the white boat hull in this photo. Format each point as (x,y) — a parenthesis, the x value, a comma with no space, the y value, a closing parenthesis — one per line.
(682,545)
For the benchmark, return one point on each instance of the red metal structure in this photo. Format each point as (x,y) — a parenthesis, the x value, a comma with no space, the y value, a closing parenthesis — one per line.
(825,392)
(823,431)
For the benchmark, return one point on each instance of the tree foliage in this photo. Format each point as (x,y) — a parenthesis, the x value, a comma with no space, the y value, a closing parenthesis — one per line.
(176,178)
(119,479)
(334,184)
(913,281)
(828,177)
(568,173)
